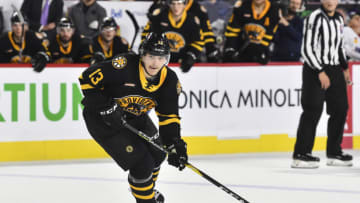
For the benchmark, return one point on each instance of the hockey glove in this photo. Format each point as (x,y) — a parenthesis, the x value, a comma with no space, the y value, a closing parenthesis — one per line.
(187,62)
(39,61)
(231,55)
(178,154)
(113,116)
(214,56)
(98,57)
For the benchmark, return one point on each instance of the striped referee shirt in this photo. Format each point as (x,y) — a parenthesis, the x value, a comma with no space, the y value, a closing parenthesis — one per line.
(323,38)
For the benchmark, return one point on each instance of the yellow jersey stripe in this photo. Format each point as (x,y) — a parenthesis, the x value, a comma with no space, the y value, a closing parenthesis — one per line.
(169,115)
(231,34)
(168,121)
(233,29)
(208,34)
(196,46)
(201,43)
(269,37)
(86,87)
(209,40)
(265,43)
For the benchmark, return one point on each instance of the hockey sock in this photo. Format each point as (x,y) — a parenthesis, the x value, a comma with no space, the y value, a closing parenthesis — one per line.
(155,174)
(142,189)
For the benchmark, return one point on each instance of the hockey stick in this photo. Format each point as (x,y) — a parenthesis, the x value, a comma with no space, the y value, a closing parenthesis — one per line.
(22,21)
(189,165)
(136,26)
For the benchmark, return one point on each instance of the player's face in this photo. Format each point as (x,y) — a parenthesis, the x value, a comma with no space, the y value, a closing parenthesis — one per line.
(294,5)
(108,33)
(177,8)
(329,5)
(153,64)
(66,34)
(17,29)
(258,2)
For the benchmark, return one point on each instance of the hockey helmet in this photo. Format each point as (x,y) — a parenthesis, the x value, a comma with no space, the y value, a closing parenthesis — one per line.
(65,22)
(18,18)
(155,44)
(168,2)
(108,22)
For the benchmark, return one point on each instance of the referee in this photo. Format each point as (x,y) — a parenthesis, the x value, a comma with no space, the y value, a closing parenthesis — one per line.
(324,78)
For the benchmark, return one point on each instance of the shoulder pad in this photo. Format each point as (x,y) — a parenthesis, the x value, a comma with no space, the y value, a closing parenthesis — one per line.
(238,3)
(119,62)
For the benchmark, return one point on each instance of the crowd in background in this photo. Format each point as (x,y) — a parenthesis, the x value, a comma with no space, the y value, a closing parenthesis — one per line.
(85,33)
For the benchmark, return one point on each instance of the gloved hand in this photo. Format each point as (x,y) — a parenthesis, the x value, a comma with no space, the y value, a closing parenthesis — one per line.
(39,61)
(231,55)
(98,57)
(178,154)
(113,116)
(214,56)
(187,62)
(262,58)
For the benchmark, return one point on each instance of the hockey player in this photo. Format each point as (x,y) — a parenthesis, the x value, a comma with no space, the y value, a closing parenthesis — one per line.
(182,30)
(128,87)
(250,30)
(207,35)
(66,47)
(23,46)
(107,44)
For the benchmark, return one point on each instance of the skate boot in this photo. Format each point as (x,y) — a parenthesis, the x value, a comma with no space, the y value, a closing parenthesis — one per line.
(305,161)
(159,198)
(339,160)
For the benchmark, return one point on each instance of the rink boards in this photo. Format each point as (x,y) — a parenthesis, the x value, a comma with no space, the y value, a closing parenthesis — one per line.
(225,108)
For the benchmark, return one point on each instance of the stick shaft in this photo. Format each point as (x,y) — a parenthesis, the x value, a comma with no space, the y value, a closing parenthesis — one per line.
(189,165)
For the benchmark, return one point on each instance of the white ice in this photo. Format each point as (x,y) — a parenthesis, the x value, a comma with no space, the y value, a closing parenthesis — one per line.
(257,177)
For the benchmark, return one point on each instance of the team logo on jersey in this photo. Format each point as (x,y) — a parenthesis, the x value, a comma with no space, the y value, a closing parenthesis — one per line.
(119,62)
(176,41)
(255,32)
(129,149)
(136,104)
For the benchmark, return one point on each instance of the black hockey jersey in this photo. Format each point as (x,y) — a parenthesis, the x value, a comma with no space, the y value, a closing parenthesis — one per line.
(123,79)
(118,46)
(206,34)
(69,54)
(258,28)
(12,52)
(183,36)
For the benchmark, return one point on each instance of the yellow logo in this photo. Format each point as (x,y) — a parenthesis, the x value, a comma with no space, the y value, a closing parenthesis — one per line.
(136,104)
(129,149)
(176,41)
(255,32)
(119,62)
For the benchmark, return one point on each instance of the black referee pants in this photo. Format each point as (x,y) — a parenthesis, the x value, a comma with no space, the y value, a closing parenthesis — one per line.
(312,101)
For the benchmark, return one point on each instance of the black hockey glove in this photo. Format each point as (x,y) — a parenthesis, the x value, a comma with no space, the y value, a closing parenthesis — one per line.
(113,116)
(214,56)
(187,62)
(262,58)
(231,55)
(178,154)
(39,61)
(98,57)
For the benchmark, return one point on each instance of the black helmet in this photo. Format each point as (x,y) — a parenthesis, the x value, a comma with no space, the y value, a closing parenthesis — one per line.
(108,22)
(17,18)
(168,2)
(155,44)
(65,22)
